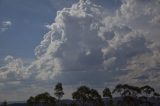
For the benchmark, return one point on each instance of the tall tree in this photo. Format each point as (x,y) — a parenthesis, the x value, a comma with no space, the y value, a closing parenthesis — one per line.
(86,96)
(81,95)
(95,98)
(107,93)
(58,91)
(128,94)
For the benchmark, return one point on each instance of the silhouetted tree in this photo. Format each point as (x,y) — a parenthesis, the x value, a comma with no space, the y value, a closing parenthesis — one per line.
(58,91)
(43,99)
(81,95)
(31,101)
(4,103)
(128,94)
(107,93)
(95,98)
(86,96)
(118,89)
(147,92)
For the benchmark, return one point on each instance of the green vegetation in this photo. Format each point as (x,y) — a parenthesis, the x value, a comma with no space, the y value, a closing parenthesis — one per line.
(126,95)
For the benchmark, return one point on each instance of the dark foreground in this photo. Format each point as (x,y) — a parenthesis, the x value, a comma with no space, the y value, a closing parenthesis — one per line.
(68,102)
(128,95)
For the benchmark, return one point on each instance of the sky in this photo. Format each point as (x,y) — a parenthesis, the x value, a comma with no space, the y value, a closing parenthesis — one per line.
(98,43)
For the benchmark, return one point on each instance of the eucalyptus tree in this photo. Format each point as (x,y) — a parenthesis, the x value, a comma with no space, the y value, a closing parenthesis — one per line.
(107,93)
(43,99)
(147,92)
(85,96)
(95,98)
(81,95)
(128,93)
(31,101)
(58,92)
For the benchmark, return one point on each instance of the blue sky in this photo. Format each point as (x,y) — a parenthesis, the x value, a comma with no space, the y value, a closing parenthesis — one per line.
(97,43)
(28,19)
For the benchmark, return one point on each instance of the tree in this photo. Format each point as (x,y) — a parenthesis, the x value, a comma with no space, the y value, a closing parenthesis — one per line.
(58,91)
(43,99)
(4,103)
(107,93)
(31,101)
(81,95)
(147,92)
(128,93)
(95,98)
(85,95)
(118,89)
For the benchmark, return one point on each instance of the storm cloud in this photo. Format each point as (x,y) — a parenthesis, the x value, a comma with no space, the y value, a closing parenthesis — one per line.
(88,44)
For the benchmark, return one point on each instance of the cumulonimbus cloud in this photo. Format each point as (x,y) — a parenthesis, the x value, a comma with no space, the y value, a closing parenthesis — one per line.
(85,39)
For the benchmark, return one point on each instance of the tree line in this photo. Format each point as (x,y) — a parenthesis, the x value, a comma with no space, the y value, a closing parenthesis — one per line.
(126,95)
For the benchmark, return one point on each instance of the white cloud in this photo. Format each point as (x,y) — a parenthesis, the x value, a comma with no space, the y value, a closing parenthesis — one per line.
(83,38)
(5,25)
(13,70)
(71,37)
(142,17)
(85,43)
(48,27)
